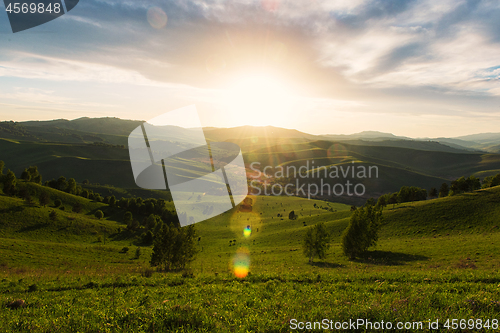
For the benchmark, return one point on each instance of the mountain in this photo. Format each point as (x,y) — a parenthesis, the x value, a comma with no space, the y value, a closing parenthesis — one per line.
(481,137)
(248,132)
(365,135)
(107,125)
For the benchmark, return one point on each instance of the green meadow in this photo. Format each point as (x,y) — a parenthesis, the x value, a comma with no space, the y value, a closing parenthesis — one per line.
(435,260)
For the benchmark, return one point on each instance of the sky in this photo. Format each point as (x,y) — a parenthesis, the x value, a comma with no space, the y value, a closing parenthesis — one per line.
(416,68)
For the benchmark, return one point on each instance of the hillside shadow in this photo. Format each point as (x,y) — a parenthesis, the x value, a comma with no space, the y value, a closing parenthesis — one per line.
(324,264)
(387,258)
(33,227)
(14,209)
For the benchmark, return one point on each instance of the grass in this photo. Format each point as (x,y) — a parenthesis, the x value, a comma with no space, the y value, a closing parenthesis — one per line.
(71,282)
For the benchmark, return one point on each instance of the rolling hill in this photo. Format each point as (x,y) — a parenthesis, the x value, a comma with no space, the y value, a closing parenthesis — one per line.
(95,149)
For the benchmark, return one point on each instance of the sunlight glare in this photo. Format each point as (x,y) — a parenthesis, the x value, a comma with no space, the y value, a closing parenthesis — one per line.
(259,99)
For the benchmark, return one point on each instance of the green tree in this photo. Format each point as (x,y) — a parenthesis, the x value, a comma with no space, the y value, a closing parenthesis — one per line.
(71,187)
(62,184)
(382,201)
(26,175)
(2,165)
(9,183)
(292,215)
(393,199)
(173,247)
(151,221)
(316,242)
(362,231)
(53,215)
(444,190)
(34,174)
(99,214)
(57,203)
(495,181)
(433,192)
(127,218)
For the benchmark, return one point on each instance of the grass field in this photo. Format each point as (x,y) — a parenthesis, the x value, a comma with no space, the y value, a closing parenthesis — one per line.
(436,259)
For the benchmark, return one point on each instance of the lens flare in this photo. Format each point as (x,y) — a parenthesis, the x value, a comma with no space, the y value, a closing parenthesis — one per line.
(247,231)
(337,151)
(241,262)
(157,17)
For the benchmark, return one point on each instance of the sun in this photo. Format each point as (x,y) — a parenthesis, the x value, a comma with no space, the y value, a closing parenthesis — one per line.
(259,99)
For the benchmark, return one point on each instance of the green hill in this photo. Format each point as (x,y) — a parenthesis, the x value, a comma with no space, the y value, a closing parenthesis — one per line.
(477,212)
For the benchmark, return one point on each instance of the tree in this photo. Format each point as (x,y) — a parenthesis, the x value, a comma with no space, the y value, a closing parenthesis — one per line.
(34,174)
(292,215)
(44,198)
(62,184)
(147,237)
(127,218)
(362,231)
(433,193)
(370,202)
(2,165)
(151,222)
(112,201)
(173,247)
(99,214)
(9,183)
(57,203)
(495,181)
(382,201)
(26,175)
(393,199)
(316,242)
(71,187)
(444,190)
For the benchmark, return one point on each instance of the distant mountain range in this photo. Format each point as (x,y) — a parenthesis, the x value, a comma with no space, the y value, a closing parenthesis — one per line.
(96,149)
(116,130)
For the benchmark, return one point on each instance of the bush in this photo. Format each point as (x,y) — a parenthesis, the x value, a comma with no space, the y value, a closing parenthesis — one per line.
(57,203)
(99,214)
(124,250)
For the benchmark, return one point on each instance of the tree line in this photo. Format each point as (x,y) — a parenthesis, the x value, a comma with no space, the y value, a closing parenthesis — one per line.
(173,246)
(364,224)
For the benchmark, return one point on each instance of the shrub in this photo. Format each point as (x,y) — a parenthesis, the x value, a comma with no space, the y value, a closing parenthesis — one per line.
(57,203)
(99,214)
